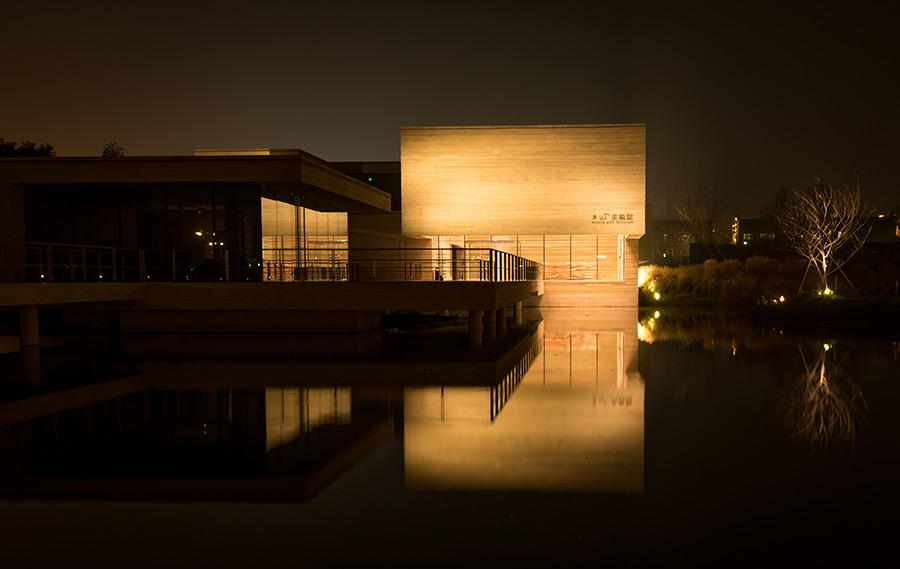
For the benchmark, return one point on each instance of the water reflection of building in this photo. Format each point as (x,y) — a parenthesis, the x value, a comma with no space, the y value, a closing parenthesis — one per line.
(236,429)
(574,422)
(136,438)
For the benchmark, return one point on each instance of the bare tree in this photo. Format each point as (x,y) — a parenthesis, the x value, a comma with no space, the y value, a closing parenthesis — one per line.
(823,225)
(703,213)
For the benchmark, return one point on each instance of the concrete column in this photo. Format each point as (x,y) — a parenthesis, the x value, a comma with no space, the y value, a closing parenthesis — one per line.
(490,326)
(501,322)
(475,329)
(517,312)
(30,346)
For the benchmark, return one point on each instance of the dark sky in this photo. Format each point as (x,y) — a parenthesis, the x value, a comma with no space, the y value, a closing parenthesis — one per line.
(740,99)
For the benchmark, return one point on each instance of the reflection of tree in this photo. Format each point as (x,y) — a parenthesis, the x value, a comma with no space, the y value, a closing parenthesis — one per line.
(698,378)
(826,407)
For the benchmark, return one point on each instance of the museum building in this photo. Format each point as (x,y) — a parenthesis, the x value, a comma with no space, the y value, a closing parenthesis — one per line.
(568,197)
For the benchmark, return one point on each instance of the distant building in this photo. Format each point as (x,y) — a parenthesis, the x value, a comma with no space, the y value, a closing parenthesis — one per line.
(672,243)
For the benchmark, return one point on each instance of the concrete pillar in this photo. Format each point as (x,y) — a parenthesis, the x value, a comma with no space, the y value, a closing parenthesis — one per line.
(501,322)
(475,329)
(490,326)
(30,346)
(517,312)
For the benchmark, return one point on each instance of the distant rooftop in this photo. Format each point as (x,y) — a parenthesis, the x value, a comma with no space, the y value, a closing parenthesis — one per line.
(248,152)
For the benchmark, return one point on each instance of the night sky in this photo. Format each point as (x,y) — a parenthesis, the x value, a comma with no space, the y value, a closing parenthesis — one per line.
(738,100)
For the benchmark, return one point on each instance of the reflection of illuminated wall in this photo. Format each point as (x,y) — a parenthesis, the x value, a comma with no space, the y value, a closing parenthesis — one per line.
(292,411)
(575,422)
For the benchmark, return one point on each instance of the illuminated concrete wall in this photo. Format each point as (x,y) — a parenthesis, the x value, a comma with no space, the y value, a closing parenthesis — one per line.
(550,180)
(569,197)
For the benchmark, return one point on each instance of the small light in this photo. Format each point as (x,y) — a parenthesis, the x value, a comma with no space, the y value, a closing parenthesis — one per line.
(780,299)
(828,291)
(656,314)
(656,295)
(601,256)
(826,346)
(198,233)
(210,243)
(101,276)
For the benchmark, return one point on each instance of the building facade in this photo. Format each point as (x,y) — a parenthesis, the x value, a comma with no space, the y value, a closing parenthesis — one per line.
(570,197)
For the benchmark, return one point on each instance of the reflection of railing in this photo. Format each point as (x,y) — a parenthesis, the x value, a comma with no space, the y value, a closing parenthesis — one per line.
(67,263)
(398,265)
(501,392)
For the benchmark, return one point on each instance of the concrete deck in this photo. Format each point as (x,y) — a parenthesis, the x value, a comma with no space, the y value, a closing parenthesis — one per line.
(319,296)
(42,294)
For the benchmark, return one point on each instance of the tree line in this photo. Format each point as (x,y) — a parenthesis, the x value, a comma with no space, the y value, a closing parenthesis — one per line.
(823,225)
(29,148)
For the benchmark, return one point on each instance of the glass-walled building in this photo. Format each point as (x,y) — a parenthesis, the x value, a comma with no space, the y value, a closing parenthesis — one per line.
(237,216)
(199,232)
(300,242)
(564,257)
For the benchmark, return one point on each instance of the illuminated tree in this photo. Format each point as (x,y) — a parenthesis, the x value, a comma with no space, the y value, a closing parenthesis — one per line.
(823,225)
(112,150)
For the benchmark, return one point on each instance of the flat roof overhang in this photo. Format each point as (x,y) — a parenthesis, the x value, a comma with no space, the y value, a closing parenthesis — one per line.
(302,174)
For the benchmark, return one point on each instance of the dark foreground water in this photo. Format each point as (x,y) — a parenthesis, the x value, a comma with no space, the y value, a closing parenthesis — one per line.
(593,438)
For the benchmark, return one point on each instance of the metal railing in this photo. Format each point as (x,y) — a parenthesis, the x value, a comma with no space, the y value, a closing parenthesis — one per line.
(67,263)
(399,265)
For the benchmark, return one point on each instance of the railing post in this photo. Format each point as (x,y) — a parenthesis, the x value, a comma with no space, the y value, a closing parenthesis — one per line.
(227,267)
(49,263)
(115,268)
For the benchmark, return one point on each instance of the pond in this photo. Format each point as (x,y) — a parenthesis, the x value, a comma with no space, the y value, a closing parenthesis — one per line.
(591,436)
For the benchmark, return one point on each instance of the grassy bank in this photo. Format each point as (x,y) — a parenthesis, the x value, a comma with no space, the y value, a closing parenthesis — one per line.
(776,293)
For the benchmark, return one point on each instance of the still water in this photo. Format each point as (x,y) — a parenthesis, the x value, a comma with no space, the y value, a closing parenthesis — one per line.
(589,437)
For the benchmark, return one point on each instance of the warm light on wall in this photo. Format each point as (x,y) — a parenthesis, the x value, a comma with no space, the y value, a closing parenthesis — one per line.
(557,180)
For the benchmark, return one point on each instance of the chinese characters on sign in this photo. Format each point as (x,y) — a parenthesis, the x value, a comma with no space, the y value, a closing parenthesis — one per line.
(610,218)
